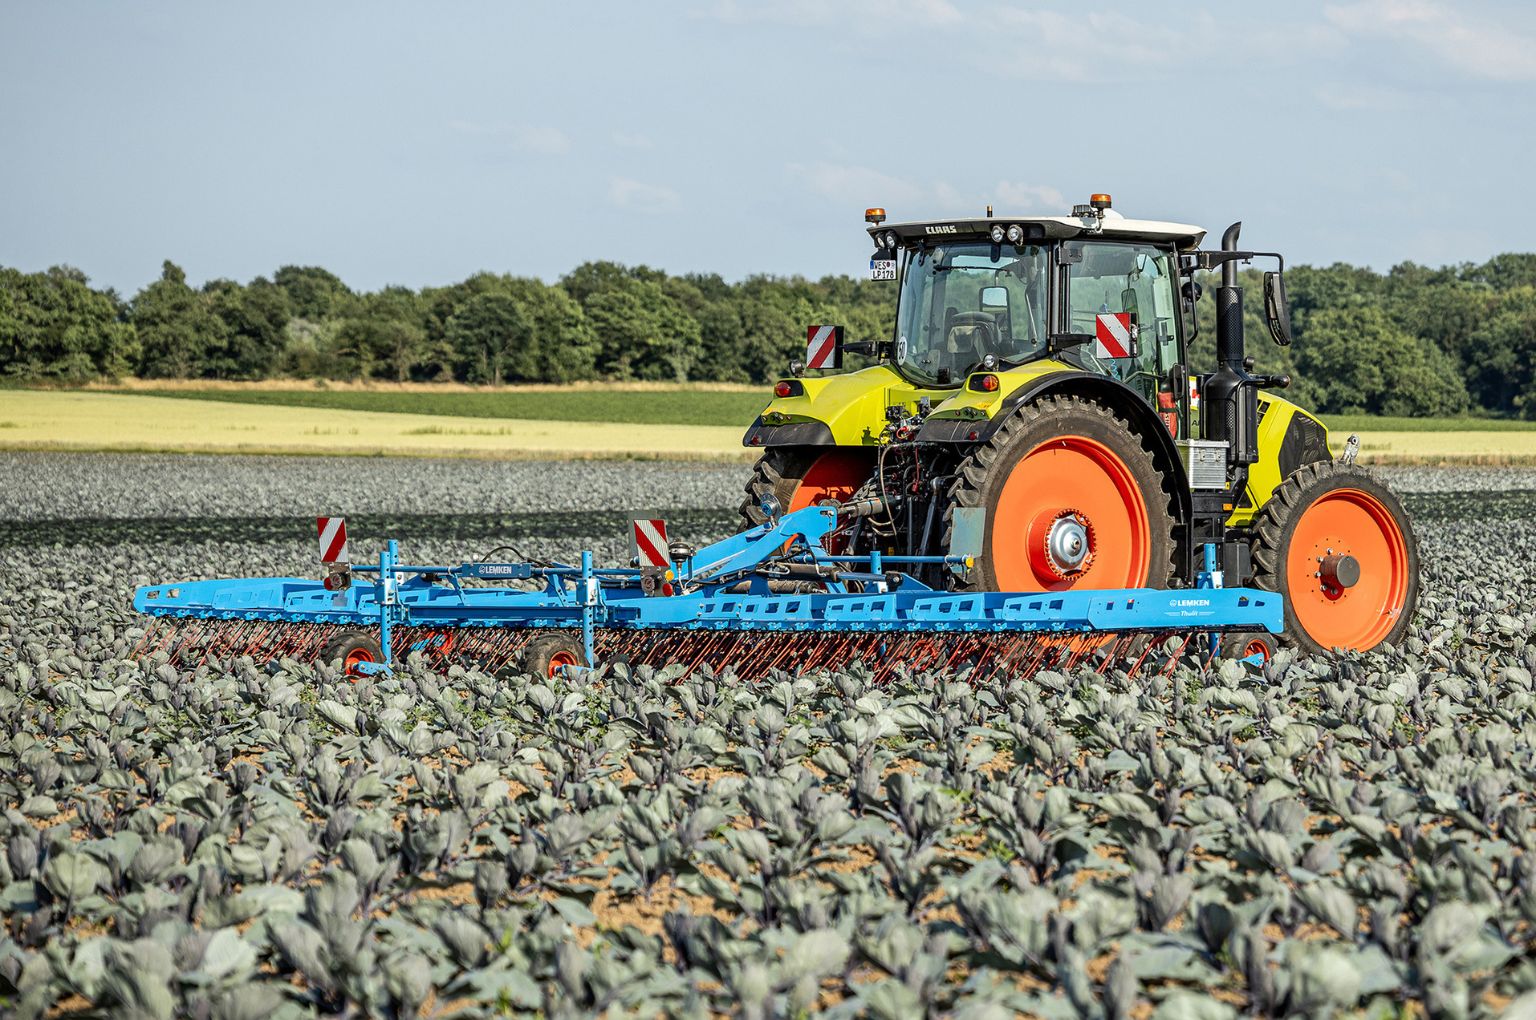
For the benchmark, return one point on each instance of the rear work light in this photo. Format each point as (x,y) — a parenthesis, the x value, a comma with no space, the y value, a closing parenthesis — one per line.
(986,383)
(788,388)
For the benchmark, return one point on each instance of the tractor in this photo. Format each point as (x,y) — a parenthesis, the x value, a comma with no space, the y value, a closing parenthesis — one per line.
(1033,424)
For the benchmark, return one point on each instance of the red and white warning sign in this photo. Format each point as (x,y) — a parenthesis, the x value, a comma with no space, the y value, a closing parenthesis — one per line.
(651,543)
(824,347)
(1112,337)
(333,539)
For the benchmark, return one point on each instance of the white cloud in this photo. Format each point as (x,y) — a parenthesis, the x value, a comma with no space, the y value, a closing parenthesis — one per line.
(857,185)
(1007,38)
(641,197)
(862,186)
(1484,50)
(1096,46)
(865,14)
(632,140)
(1016,196)
(535,138)
(1353,98)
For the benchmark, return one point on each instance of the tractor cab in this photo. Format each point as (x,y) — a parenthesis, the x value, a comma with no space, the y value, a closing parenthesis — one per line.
(998,293)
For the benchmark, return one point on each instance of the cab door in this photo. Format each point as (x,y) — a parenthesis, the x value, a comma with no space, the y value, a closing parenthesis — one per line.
(1124,293)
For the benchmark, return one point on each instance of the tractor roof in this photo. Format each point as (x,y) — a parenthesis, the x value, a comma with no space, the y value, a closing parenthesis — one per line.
(1042,228)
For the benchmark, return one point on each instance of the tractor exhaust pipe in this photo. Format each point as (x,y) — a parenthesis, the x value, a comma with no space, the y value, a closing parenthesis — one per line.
(1230,345)
(1231,394)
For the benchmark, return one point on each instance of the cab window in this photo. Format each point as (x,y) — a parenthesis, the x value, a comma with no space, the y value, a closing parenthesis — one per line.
(1105,277)
(963,301)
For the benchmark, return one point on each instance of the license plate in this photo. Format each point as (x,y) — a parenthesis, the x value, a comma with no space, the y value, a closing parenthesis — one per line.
(882,269)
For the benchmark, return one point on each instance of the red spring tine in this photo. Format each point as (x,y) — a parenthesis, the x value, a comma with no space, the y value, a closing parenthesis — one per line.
(1173,660)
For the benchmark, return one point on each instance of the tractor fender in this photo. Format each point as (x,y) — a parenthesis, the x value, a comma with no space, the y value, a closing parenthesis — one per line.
(797,433)
(1117,396)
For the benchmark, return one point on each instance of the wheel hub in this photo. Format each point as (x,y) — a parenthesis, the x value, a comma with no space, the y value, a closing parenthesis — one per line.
(1061,543)
(1339,570)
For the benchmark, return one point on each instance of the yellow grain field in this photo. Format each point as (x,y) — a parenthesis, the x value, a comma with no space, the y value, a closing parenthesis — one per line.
(1489,448)
(82,420)
(73,420)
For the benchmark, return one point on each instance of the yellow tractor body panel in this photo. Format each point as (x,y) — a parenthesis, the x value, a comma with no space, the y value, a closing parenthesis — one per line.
(852,405)
(975,405)
(1276,418)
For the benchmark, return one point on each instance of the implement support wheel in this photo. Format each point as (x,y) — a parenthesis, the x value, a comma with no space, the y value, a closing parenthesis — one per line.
(1072,499)
(351,649)
(1258,645)
(1337,544)
(549,653)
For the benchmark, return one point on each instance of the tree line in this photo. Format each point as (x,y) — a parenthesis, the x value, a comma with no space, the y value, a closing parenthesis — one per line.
(1411,341)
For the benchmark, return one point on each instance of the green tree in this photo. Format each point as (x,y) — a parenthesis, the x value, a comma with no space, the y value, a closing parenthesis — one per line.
(312,293)
(567,344)
(176,328)
(1501,354)
(1359,362)
(53,325)
(591,278)
(492,340)
(255,322)
(385,336)
(642,333)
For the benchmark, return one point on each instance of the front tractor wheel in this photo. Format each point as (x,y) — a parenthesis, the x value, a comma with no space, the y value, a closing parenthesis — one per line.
(1072,500)
(798,477)
(1337,544)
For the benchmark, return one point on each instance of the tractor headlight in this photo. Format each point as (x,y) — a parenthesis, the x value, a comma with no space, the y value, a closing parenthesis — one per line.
(997,234)
(890,239)
(1015,234)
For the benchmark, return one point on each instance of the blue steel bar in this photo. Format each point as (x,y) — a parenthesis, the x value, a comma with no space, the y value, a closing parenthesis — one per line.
(707,597)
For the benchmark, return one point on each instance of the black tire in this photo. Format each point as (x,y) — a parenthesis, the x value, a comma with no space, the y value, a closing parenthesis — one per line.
(548,652)
(351,647)
(983,474)
(1276,526)
(1242,644)
(779,472)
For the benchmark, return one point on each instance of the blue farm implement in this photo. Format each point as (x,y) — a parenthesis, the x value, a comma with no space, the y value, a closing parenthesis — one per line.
(768,598)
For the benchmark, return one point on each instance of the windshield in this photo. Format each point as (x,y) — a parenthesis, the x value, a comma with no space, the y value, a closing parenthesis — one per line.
(963,301)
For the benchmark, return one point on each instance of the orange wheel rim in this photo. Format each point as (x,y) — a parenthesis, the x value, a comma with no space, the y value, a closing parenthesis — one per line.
(1256,647)
(559,661)
(1070,482)
(1348,522)
(355,658)
(836,474)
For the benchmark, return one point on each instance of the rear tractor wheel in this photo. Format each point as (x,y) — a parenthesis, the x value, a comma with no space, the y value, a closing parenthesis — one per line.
(1072,499)
(1337,544)
(798,477)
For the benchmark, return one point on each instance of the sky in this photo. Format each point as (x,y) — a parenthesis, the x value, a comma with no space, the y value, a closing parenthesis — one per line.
(417,143)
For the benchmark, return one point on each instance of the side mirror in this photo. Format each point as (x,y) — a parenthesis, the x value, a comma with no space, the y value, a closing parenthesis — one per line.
(994,297)
(1276,310)
(1191,291)
(1129,303)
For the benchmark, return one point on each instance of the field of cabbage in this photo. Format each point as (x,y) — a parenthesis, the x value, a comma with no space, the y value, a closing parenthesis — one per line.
(251,841)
